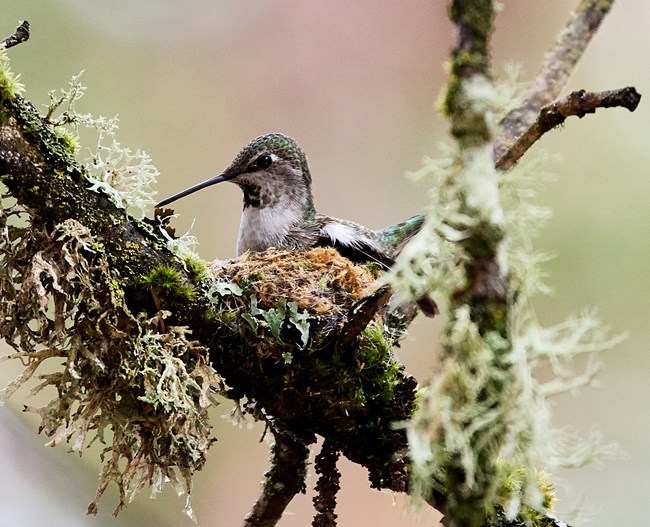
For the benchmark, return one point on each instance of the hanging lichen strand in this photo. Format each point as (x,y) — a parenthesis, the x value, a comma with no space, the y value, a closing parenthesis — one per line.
(142,393)
(477,380)
(482,432)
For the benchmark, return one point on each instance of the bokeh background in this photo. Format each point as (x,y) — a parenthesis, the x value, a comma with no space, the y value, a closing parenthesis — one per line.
(355,83)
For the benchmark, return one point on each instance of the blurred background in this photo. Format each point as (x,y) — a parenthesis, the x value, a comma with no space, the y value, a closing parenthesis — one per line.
(355,83)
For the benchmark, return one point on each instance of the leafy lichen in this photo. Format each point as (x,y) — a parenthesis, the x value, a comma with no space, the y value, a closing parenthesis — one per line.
(60,300)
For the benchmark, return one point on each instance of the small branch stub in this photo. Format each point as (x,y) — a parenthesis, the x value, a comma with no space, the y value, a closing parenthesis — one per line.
(578,103)
(20,35)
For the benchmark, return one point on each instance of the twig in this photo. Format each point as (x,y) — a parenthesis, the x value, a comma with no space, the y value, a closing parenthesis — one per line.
(555,72)
(327,486)
(578,103)
(361,315)
(20,35)
(285,479)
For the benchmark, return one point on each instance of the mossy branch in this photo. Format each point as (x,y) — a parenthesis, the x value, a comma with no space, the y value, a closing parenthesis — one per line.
(20,35)
(482,300)
(287,331)
(484,401)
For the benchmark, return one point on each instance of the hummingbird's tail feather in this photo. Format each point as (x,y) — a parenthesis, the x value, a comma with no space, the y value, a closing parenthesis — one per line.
(397,236)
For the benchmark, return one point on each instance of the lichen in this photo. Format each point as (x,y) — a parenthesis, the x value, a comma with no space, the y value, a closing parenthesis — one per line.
(125,176)
(485,404)
(141,392)
(466,404)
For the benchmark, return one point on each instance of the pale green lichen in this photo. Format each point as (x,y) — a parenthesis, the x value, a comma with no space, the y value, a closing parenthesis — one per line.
(127,177)
(142,392)
(485,403)
(459,406)
(183,246)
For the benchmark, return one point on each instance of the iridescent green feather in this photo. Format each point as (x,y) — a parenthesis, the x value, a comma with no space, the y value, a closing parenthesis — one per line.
(396,236)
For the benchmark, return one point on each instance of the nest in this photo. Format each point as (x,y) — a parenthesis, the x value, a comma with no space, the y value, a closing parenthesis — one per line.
(319,281)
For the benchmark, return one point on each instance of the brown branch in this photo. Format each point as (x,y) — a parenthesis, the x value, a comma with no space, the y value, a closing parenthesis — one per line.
(327,486)
(285,479)
(356,407)
(361,315)
(578,103)
(556,70)
(20,35)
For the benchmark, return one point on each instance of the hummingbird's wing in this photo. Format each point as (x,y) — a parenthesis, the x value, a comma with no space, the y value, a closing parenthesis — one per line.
(362,245)
(301,237)
(353,241)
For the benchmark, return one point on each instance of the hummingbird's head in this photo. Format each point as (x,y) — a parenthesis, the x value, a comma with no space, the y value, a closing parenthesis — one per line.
(269,168)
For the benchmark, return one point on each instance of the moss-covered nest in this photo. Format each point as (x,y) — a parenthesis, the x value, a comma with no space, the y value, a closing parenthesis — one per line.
(284,344)
(319,281)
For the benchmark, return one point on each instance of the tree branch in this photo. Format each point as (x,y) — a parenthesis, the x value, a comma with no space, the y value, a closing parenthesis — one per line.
(285,479)
(274,342)
(20,35)
(578,103)
(469,479)
(291,332)
(361,315)
(556,70)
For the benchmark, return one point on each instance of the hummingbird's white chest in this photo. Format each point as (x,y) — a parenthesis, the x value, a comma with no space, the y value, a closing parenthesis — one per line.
(261,228)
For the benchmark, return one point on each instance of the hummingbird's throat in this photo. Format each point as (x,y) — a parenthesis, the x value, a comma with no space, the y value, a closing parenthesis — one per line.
(259,198)
(252,196)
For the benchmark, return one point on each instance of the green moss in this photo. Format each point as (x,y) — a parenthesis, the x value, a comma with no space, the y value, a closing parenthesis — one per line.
(128,253)
(168,284)
(9,84)
(69,140)
(375,366)
(470,58)
(486,237)
(197,269)
(476,15)
(5,116)
(602,6)
(514,481)
(227,317)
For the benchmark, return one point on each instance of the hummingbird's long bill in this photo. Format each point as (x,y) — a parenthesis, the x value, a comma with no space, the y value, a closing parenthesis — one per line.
(212,181)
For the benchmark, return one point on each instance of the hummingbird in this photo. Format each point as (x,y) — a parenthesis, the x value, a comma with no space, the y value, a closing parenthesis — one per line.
(274,176)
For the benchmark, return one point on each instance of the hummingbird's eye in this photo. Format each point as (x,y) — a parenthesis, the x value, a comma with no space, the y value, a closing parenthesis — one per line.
(264,161)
